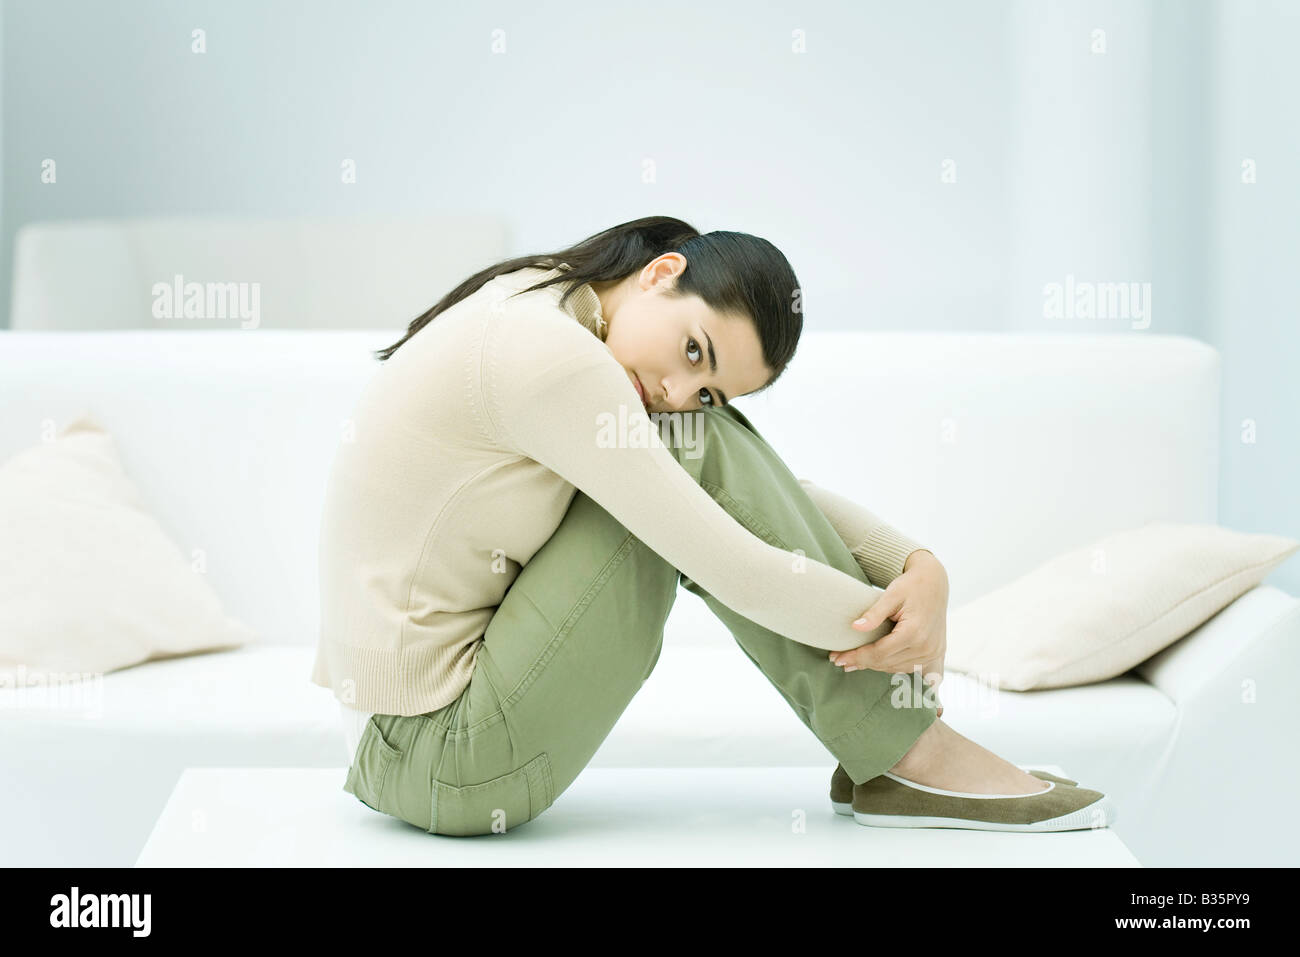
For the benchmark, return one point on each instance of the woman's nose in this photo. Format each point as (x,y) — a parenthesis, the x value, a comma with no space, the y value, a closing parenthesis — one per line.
(677,394)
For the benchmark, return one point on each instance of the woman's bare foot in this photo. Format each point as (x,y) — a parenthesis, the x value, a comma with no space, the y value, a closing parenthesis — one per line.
(942,758)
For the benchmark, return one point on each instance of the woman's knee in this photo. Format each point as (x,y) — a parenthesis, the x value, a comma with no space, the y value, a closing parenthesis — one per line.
(716,444)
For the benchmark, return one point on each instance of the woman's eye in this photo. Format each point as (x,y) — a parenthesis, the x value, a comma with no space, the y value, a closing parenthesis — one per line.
(692,346)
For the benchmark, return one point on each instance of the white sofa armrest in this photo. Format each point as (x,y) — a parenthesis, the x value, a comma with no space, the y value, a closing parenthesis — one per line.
(1233,683)
(1263,625)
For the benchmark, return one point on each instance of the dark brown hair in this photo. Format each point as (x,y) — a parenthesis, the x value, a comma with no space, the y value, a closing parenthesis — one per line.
(734,273)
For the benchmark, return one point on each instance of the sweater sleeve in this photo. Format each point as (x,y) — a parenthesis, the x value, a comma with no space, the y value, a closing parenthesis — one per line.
(552,392)
(880,549)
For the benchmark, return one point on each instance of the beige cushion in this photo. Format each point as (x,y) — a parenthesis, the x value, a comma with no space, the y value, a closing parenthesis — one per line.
(1100,610)
(89,582)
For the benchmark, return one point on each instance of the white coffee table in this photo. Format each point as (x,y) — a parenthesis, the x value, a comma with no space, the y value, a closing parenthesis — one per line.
(645,817)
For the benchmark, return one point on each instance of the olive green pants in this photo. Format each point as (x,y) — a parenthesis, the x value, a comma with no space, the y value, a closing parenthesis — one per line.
(580,630)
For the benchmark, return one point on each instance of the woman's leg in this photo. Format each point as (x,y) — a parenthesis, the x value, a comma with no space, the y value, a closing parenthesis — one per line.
(867,719)
(580,630)
(871,721)
(573,640)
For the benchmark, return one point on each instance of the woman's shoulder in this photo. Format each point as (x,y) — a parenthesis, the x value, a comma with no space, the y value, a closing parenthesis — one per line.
(533,342)
(511,293)
(537,315)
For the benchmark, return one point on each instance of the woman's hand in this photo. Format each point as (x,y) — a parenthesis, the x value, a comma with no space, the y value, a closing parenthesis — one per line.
(917,601)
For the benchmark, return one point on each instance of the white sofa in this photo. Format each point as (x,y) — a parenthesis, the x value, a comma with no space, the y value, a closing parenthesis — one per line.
(998,451)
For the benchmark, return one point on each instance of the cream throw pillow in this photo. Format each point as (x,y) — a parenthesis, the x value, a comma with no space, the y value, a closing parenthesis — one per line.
(1100,610)
(89,582)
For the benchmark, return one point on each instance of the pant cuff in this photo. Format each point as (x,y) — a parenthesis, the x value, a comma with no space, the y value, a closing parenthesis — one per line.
(886,733)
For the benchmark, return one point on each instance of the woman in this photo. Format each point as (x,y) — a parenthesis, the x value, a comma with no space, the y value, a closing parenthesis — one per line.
(506,527)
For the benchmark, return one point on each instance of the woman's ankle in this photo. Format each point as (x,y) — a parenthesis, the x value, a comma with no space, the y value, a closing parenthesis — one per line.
(923,749)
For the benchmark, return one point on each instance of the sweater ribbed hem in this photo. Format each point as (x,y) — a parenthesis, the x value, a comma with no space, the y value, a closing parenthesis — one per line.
(420,681)
(882,556)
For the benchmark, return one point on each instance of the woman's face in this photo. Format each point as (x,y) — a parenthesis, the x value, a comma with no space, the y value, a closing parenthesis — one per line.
(664,343)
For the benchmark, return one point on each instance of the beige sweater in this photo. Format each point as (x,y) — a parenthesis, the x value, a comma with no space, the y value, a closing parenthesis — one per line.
(467,447)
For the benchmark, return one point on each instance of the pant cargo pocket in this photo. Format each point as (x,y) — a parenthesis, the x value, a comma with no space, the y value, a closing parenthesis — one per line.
(370,767)
(495,806)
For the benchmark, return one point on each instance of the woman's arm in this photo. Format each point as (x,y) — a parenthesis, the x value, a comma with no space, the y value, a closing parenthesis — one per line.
(918,604)
(881,551)
(918,601)
(547,382)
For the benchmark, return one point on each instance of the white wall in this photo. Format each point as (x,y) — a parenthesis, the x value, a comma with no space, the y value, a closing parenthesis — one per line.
(833,154)
(4,232)
(1254,265)
(1120,166)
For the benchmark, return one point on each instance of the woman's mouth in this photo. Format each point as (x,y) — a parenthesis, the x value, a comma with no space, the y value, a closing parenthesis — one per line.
(640,390)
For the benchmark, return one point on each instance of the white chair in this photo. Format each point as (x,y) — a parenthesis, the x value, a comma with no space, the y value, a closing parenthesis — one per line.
(338,273)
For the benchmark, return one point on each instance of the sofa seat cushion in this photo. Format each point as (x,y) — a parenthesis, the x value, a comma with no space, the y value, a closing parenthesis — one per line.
(256,707)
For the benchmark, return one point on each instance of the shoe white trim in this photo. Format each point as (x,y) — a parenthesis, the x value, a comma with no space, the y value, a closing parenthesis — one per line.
(966,794)
(1085,818)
